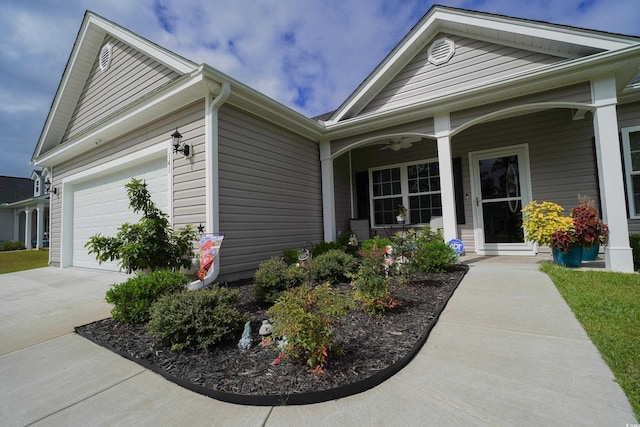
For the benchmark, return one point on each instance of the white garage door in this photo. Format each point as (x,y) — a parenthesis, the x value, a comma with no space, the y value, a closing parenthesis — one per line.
(101,206)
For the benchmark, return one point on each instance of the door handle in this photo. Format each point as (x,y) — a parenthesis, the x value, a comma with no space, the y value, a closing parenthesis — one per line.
(477,202)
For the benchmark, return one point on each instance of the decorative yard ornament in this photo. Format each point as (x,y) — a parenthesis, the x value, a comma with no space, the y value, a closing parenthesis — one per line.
(265,329)
(245,340)
(353,240)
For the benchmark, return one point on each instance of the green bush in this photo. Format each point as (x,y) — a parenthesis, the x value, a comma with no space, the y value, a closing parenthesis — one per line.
(149,244)
(434,256)
(371,282)
(323,247)
(196,319)
(343,241)
(132,299)
(379,242)
(8,245)
(304,316)
(273,277)
(290,256)
(332,266)
(634,241)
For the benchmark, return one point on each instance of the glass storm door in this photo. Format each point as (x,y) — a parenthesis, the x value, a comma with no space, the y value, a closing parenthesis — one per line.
(501,188)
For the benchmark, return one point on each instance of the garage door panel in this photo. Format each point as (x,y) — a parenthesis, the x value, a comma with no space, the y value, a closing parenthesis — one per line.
(101,206)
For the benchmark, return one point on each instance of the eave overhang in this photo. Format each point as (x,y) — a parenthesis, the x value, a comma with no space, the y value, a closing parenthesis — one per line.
(623,64)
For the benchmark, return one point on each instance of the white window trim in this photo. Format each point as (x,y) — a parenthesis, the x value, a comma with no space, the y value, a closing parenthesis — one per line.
(628,169)
(404,189)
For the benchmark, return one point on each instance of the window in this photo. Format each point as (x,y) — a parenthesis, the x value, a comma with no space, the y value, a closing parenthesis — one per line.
(36,187)
(415,185)
(631,147)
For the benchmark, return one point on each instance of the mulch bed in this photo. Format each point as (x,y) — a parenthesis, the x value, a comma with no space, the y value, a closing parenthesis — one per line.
(374,348)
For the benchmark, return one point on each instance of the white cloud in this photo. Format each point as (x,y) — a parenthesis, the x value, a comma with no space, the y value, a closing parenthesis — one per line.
(307,54)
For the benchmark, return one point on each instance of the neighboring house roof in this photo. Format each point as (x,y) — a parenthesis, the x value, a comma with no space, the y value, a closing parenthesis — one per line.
(14,189)
(573,44)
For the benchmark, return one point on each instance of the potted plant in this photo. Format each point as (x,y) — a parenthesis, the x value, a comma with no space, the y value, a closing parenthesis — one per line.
(401,213)
(566,246)
(589,229)
(541,220)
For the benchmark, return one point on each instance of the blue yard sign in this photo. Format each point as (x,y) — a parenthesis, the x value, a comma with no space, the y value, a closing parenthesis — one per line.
(457,246)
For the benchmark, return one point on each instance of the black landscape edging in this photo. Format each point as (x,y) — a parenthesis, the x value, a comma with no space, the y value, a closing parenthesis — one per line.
(296,398)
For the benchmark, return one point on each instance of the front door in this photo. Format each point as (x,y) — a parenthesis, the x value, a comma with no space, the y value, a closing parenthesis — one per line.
(500,188)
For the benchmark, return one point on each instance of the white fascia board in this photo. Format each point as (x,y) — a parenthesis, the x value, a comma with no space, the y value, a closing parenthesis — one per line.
(552,75)
(558,32)
(171,60)
(417,34)
(189,86)
(263,106)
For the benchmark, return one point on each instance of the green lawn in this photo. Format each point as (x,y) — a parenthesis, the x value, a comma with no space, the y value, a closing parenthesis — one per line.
(22,260)
(607,305)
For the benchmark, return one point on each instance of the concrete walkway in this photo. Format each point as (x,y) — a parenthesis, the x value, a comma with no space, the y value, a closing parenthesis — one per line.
(506,351)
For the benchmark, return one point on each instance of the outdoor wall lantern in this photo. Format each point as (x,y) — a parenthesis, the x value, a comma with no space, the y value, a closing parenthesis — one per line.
(185,149)
(47,187)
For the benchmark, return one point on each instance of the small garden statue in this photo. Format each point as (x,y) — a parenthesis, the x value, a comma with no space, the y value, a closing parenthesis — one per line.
(245,340)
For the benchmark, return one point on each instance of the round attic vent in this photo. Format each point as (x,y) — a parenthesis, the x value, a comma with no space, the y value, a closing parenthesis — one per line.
(105,57)
(441,51)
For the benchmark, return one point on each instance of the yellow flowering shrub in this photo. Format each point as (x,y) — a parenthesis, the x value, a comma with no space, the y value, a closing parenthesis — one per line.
(542,219)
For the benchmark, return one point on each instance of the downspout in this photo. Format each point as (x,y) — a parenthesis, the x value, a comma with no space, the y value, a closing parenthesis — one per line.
(212,189)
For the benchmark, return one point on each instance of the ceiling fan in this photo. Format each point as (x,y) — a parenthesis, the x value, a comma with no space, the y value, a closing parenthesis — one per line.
(398,143)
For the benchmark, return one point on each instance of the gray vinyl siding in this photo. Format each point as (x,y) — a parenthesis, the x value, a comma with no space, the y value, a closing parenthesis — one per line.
(579,93)
(187,175)
(474,62)
(131,76)
(342,193)
(561,154)
(629,115)
(270,191)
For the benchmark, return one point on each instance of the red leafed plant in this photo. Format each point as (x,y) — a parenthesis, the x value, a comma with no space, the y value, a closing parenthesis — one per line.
(589,229)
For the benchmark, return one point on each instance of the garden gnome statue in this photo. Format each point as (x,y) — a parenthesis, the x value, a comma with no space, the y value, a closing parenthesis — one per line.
(265,329)
(245,341)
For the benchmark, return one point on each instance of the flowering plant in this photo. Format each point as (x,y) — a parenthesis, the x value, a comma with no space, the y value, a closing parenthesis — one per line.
(564,237)
(588,228)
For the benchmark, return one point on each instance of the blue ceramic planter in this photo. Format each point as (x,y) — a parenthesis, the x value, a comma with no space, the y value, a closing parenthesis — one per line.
(591,253)
(572,259)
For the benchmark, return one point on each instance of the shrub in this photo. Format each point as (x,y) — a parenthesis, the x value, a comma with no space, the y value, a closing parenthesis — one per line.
(8,245)
(434,256)
(634,240)
(332,266)
(304,316)
(132,299)
(290,256)
(149,244)
(196,319)
(323,247)
(378,241)
(371,282)
(343,241)
(273,277)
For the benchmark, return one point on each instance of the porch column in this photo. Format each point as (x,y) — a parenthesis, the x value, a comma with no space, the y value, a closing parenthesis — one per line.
(27,228)
(40,225)
(618,255)
(328,196)
(443,134)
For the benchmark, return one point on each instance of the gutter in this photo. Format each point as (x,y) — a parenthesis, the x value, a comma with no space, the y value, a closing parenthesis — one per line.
(212,190)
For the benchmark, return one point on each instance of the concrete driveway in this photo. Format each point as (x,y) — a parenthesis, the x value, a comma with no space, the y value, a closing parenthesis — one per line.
(506,351)
(45,303)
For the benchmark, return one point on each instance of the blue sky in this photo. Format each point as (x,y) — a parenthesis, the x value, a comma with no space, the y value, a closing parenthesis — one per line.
(307,54)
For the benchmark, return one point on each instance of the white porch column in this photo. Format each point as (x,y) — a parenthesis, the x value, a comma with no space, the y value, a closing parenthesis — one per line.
(447,194)
(328,193)
(618,255)
(27,228)
(40,225)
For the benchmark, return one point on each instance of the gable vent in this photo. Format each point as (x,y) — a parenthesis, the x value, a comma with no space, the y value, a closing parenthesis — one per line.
(441,51)
(105,57)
